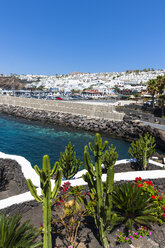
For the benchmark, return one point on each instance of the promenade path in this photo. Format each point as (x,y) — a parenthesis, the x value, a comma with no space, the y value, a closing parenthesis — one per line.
(158,126)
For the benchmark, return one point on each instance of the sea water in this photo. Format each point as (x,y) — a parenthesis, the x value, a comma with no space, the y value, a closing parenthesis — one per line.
(32,140)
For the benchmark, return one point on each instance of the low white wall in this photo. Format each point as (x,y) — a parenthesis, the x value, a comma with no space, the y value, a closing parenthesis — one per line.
(29,172)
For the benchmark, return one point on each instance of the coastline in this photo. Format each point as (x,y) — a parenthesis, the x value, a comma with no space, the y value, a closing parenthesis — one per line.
(127,129)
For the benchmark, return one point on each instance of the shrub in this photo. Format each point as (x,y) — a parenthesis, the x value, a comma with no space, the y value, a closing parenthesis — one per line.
(155,195)
(15,234)
(142,150)
(69,212)
(132,235)
(132,206)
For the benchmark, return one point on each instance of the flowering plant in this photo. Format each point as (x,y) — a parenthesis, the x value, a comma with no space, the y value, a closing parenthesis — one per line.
(132,235)
(156,196)
(69,212)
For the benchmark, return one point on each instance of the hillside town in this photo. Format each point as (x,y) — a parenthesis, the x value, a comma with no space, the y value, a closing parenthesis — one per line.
(93,85)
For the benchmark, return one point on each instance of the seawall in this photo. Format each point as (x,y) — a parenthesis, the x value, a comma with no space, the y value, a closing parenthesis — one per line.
(127,129)
(89,110)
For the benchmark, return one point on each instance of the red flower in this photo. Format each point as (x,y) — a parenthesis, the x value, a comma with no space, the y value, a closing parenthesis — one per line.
(163,215)
(140,185)
(160,198)
(163,208)
(153,197)
(158,190)
(145,227)
(149,183)
(138,179)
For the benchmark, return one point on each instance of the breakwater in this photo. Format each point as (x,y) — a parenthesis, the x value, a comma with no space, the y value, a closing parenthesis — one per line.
(90,110)
(128,129)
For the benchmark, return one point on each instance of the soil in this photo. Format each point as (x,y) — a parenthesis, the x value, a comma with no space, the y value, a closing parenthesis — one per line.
(87,234)
(133,167)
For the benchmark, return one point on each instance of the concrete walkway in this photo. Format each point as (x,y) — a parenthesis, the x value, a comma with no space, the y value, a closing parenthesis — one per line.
(158,126)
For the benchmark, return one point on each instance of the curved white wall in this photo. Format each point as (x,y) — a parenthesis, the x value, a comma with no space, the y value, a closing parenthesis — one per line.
(29,172)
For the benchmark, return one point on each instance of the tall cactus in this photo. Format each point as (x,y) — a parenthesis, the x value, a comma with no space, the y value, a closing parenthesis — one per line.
(68,162)
(47,196)
(102,210)
(142,150)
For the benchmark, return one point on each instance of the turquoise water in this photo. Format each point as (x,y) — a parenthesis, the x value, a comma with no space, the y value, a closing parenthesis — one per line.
(32,140)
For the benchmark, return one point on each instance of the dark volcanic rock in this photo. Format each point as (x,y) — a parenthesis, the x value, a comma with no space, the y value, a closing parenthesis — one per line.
(12,180)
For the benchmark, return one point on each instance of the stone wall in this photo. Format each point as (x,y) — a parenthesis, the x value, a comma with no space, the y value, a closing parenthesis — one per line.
(141,113)
(90,110)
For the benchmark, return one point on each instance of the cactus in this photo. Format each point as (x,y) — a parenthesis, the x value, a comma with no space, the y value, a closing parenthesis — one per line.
(103,209)
(142,150)
(47,196)
(68,162)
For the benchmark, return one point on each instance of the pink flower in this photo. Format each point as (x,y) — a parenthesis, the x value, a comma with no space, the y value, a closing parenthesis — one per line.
(163,215)
(140,236)
(135,233)
(118,236)
(126,238)
(145,227)
(70,246)
(149,233)
(139,228)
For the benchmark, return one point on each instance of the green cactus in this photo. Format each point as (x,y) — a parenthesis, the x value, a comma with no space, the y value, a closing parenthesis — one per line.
(142,150)
(47,196)
(68,162)
(103,196)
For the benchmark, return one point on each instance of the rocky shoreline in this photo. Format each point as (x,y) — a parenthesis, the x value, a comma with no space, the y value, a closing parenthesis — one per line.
(128,129)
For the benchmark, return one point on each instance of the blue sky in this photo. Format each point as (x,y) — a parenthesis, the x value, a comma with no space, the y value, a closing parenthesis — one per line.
(62,36)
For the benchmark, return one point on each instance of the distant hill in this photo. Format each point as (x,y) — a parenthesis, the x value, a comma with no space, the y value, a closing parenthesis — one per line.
(76,73)
(9,83)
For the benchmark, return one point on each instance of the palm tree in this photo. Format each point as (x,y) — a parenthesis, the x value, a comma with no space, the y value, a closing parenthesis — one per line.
(162,100)
(152,89)
(161,88)
(160,84)
(13,234)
